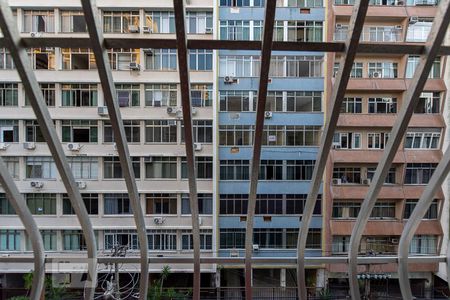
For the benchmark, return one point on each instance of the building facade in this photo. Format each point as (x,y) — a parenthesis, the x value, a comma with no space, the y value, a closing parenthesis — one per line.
(375,94)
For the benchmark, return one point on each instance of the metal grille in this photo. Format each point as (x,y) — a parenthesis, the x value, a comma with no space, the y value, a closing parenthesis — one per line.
(349,49)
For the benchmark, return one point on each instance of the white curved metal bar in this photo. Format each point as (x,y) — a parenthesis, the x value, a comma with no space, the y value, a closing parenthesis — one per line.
(182,54)
(337,96)
(414,220)
(91,14)
(33,91)
(21,208)
(434,41)
(266,50)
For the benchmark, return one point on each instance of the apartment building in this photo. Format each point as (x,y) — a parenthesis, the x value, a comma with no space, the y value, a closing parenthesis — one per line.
(292,130)
(374,95)
(148,92)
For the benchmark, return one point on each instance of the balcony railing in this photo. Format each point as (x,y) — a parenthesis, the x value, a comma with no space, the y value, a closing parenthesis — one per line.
(380,34)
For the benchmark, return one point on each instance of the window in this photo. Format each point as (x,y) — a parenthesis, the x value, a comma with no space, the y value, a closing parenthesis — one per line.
(233,204)
(232,238)
(73,21)
(200,60)
(112,168)
(299,169)
(201,95)
(429,103)
(5,206)
(161,60)
(79,95)
(78,59)
(41,204)
(187,240)
(271,170)
(383,210)
(235,30)
(296,203)
(121,21)
(301,3)
(6,61)
(38,21)
(303,101)
(42,58)
(205,204)
(12,164)
(162,239)
(418,31)
(117,204)
(268,238)
(346,210)
(390,178)
(33,132)
(413,62)
(304,31)
(269,204)
(202,130)
(83,167)
(90,202)
(431,214)
(160,95)
(128,94)
(382,105)
(419,173)
(9,240)
(382,34)
(126,238)
(347,174)
(296,66)
(160,21)
(341,244)
(347,140)
(120,59)
(48,92)
(40,167)
(79,131)
(235,135)
(203,166)
(9,131)
(197,22)
(382,70)
(357,70)
(49,239)
(242,3)
(352,105)
(161,204)
(8,94)
(160,131)
(237,101)
(73,240)
(423,244)
(426,139)
(239,66)
(377,140)
(159,167)
(132,131)
(234,169)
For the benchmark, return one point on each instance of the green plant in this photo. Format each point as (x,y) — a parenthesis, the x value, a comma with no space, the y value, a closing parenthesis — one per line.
(52,291)
(325,294)
(157,292)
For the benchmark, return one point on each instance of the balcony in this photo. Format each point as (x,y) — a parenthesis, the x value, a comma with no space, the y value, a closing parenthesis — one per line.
(385,34)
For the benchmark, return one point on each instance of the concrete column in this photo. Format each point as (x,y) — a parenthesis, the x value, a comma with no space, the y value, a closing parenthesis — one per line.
(321,278)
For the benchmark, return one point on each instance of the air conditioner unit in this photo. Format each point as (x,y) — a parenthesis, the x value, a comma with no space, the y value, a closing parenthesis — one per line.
(399,27)
(102,110)
(148,51)
(194,111)
(255,247)
(208,30)
(268,115)
(338,26)
(3,146)
(234,253)
(229,79)
(366,181)
(376,75)
(158,220)
(387,100)
(37,184)
(29,145)
(394,241)
(133,29)
(198,147)
(81,185)
(336,146)
(35,34)
(74,146)
(135,66)
(413,20)
(336,181)
(147,29)
(171,110)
